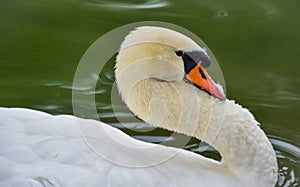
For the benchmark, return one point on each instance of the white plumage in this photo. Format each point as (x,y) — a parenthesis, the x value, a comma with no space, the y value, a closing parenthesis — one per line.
(38,149)
(45,150)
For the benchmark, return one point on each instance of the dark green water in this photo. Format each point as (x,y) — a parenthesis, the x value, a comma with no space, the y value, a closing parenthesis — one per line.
(257,44)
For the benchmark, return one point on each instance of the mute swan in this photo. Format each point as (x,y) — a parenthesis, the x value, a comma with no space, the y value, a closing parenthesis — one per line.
(161,76)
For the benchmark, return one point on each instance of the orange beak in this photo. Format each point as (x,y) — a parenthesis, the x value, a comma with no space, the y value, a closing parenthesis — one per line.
(199,76)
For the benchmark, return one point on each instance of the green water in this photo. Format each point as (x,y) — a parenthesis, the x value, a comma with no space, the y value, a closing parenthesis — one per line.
(256,42)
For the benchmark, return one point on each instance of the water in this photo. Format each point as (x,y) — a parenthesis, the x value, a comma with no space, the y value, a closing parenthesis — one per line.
(256,43)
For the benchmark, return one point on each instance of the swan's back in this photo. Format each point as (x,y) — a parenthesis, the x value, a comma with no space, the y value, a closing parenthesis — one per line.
(38,149)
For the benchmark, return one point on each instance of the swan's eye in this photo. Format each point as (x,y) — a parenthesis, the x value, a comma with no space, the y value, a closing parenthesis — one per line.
(179,53)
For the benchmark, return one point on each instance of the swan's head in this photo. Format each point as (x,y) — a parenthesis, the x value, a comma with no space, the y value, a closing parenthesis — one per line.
(165,55)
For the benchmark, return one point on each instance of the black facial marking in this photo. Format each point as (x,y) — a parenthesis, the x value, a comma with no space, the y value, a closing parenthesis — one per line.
(188,63)
(199,56)
(202,73)
(191,59)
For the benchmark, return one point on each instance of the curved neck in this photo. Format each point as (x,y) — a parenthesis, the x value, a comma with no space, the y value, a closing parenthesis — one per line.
(228,127)
(244,147)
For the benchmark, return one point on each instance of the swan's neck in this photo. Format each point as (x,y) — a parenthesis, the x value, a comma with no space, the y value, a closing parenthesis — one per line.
(228,127)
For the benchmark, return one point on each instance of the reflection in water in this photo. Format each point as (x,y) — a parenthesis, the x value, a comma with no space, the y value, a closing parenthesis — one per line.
(288,157)
(154,139)
(128,5)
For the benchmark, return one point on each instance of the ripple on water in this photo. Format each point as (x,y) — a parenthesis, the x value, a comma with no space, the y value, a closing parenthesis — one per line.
(264,11)
(232,10)
(288,157)
(126,5)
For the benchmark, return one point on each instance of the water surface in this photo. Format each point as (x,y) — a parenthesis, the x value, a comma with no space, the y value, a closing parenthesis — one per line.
(256,43)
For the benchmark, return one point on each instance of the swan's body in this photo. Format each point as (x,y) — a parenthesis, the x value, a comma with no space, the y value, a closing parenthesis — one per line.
(41,149)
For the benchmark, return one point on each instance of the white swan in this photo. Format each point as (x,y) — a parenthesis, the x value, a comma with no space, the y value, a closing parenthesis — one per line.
(38,149)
